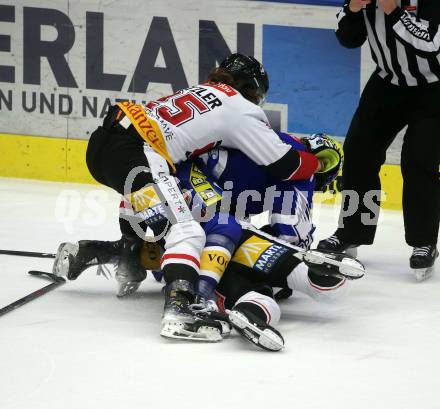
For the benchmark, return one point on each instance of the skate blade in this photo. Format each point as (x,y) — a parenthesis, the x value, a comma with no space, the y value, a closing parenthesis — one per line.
(351,269)
(61,264)
(127,288)
(352,252)
(265,339)
(348,268)
(226,326)
(423,274)
(178,331)
(226,329)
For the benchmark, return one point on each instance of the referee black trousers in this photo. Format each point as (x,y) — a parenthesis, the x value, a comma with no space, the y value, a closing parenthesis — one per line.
(385,109)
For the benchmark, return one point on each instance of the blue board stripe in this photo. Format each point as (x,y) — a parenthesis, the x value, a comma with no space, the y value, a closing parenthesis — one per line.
(314,75)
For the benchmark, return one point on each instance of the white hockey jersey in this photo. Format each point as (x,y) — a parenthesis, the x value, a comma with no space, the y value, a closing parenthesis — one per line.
(196,119)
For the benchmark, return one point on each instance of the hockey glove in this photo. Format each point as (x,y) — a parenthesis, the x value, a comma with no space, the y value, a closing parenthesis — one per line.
(327,150)
(331,156)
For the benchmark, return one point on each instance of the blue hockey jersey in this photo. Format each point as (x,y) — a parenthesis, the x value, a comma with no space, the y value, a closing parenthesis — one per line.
(252,190)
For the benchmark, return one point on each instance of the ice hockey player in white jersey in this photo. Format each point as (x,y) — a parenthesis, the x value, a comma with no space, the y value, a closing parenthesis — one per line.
(139,146)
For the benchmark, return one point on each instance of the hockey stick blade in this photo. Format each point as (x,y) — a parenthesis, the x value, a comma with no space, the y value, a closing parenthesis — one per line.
(27,254)
(53,277)
(57,281)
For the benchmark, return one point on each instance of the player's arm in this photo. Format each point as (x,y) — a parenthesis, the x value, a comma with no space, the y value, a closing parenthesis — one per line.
(351,31)
(261,144)
(293,223)
(294,165)
(422,37)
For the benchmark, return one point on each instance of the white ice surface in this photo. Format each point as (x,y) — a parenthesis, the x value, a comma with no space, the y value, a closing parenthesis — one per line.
(80,347)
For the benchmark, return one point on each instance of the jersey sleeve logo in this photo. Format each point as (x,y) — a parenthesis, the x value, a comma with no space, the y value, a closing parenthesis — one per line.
(259,254)
(226,89)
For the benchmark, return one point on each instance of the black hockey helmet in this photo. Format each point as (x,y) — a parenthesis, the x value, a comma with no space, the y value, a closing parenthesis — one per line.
(250,76)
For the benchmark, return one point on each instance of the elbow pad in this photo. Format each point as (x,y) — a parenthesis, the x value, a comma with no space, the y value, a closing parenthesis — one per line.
(294,165)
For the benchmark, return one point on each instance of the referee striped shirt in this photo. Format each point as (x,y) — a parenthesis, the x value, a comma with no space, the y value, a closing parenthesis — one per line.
(405,45)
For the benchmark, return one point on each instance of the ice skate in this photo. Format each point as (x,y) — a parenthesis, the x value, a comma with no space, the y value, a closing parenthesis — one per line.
(129,271)
(73,258)
(330,263)
(180,322)
(422,261)
(208,309)
(255,330)
(333,243)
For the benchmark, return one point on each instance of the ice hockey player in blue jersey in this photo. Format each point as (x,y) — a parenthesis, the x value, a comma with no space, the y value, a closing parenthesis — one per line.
(248,189)
(253,190)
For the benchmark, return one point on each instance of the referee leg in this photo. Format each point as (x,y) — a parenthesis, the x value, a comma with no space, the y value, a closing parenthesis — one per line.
(375,124)
(420,170)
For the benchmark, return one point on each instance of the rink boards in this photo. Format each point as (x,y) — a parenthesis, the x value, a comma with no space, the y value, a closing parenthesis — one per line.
(63,160)
(64,63)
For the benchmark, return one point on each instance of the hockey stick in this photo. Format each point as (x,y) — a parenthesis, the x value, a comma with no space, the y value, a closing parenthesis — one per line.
(27,253)
(57,281)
